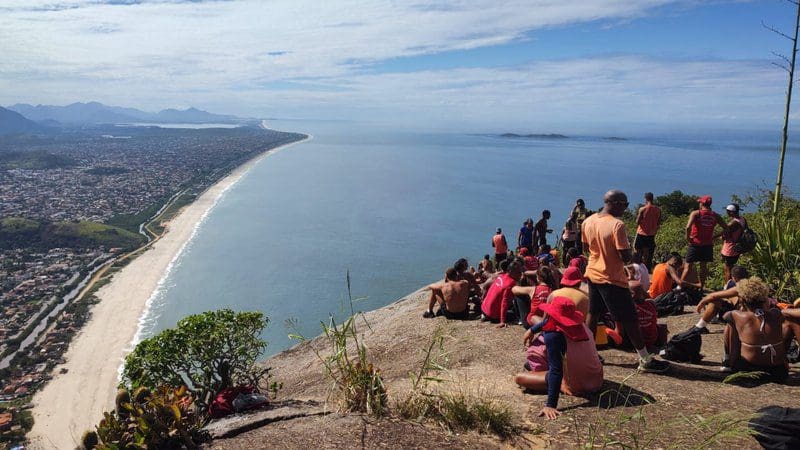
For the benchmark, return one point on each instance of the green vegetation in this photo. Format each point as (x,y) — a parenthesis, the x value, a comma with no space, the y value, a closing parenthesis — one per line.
(356,380)
(456,412)
(172,210)
(776,258)
(161,419)
(131,222)
(34,160)
(16,232)
(207,352)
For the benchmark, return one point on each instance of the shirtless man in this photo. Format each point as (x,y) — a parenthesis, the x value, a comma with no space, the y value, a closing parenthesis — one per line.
(452,296)
(714,301)
(754,337)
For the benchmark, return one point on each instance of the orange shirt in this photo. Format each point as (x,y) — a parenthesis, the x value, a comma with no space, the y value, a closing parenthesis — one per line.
(660,281)
(500,245)
(604,235)
(651,214)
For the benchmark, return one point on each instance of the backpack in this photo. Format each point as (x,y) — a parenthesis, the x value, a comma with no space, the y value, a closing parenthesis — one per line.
(684,347)
(669,304)
(746,242)
(776,427)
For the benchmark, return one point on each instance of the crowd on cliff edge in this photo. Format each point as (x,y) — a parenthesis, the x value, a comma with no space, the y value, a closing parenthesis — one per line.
(597,287)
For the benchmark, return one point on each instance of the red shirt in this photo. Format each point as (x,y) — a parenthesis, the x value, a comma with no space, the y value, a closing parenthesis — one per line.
(498,297)
(531,263)
(540,295)
(648,321)
(702,231)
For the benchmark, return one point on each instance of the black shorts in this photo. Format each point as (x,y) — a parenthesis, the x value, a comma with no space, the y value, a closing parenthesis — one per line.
(700,253)
(776,374)
(610,298)
(730,261)
(500,257)
(643,241)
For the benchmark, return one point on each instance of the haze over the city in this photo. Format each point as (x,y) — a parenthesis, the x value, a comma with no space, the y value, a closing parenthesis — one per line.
(482,65)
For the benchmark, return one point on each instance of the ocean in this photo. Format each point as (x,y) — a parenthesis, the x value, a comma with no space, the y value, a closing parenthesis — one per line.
(395,209)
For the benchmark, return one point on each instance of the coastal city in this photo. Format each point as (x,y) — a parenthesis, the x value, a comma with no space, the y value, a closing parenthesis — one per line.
(71,205)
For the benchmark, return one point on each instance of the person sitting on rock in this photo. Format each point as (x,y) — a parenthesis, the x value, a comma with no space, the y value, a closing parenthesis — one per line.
(666,275)
(531,262)
(452,296)
(724,300)
(754,337)
(486,266)
(567,339)
(499,297)
(528,298)
(571,282)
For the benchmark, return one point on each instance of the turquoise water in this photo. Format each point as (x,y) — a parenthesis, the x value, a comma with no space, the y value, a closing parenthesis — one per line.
(396,209)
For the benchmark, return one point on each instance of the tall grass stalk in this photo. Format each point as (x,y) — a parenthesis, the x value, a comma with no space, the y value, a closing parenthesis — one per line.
(354,378)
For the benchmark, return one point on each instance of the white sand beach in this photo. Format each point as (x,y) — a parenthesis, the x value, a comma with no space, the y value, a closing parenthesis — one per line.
(73,402)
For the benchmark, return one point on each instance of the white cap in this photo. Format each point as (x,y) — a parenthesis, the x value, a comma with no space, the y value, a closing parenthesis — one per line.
(732,208)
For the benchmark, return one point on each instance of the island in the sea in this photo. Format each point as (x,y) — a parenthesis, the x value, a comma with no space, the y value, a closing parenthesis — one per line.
(535,136)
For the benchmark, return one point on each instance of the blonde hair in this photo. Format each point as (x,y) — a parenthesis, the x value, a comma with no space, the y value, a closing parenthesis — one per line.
(752,292)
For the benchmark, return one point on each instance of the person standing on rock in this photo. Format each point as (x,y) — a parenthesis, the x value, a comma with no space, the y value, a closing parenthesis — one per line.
(525,237)
(500,246)
(700,235)
(605,237)
(647,220)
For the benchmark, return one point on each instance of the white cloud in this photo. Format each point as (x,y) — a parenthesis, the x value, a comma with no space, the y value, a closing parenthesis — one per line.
(232,56)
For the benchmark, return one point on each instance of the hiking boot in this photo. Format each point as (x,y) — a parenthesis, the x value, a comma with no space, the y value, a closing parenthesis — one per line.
(427,314)
(484,318)
(725,369)
(652,365)
(703,330)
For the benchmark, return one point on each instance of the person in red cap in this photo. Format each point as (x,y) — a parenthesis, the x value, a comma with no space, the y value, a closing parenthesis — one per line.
(571,288)
(565,335)
(531,262)
(700,235)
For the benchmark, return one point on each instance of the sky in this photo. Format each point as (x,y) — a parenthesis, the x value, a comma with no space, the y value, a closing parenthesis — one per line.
(523,66)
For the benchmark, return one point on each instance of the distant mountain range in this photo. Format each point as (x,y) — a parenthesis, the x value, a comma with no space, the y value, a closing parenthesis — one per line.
(94,113)
(12,122)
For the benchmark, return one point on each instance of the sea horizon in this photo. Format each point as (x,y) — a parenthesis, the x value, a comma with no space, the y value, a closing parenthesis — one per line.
(228,262)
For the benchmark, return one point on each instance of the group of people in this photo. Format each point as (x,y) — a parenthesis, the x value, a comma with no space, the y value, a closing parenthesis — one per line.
(560,300)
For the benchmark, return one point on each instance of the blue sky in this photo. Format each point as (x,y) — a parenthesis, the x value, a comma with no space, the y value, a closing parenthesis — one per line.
(537,65)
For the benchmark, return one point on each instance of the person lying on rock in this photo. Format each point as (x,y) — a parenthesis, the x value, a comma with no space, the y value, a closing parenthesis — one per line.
(573,365)
(754,337)
(451,295)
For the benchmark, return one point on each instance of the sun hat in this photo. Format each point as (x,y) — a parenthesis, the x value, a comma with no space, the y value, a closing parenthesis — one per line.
(562,316)
(572,277)
(705,200)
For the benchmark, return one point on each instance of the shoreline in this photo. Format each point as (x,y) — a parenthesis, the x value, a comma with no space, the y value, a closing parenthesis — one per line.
(73,402)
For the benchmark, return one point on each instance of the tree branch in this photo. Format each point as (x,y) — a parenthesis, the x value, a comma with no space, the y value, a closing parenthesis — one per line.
(780,65)
(783,57)
(777,31)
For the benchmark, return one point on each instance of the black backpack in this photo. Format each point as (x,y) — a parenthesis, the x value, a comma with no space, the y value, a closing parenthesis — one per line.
(777,428)
(684,347)
(669,304)
(746,242)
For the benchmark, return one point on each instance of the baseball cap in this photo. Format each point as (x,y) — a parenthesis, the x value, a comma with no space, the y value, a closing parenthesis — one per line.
(732,208)
(706,200)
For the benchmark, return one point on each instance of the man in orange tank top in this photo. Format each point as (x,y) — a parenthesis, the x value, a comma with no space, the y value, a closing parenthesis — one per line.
(648,220)
(700,236)
(500,246)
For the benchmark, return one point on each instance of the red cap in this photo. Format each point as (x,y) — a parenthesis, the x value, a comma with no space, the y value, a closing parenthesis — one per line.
(572,277)
(563,317)
(523,251)
(705,200)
